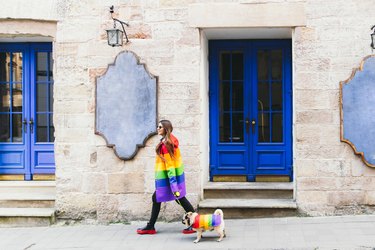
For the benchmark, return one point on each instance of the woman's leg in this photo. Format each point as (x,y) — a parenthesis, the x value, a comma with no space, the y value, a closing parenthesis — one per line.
(150,227)
(155,210)
(186,204)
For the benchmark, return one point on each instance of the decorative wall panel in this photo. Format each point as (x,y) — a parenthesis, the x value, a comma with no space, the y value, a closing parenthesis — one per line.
(126,105)
(357,99)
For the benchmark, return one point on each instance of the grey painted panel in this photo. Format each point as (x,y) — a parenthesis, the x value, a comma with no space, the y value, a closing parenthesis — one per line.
(358,111)
(126,105)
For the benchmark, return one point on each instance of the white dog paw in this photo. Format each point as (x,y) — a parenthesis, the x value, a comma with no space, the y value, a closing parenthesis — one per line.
(196,241)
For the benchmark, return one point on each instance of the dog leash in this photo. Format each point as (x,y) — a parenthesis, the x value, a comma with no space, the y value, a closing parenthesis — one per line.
(179,202)
(177,195)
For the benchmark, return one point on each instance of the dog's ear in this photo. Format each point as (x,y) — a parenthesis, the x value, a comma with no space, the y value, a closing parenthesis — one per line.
(185,216)
(185,219)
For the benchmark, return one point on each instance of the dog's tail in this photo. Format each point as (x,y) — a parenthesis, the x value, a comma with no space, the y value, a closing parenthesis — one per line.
(219,212)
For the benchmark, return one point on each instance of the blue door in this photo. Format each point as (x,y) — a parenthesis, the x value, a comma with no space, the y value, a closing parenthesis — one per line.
(250,108)
(26,109)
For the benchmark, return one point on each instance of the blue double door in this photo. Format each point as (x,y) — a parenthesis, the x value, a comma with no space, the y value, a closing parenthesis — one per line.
(26,109)
(250,103)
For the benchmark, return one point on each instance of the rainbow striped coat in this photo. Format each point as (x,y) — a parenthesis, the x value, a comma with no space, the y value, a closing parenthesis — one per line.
(169,174)
(207,221)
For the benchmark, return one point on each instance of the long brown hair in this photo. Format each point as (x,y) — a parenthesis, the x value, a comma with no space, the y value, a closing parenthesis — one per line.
(168,128)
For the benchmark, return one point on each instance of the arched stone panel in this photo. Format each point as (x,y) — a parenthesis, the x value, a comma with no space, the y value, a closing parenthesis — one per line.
(126,105)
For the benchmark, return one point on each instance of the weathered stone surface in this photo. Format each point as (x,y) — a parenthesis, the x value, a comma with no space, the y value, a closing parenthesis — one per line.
(103,157)
(125,183)
(184,91)
(107,208)
(315,117)
(370,198)
(39,9)
(345,198)
(94,183)
(316,183)
(270,14)
(308,198)
(78,206)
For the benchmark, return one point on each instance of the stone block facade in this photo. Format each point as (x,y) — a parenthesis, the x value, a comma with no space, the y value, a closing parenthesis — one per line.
(93,184)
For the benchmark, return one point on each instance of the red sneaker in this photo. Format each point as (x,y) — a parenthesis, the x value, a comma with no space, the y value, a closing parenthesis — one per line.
(188,230)
(146,230)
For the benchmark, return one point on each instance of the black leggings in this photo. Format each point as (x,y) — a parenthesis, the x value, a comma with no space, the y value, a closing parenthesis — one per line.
(156,208)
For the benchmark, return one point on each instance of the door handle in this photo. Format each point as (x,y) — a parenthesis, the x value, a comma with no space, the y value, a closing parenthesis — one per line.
(253,125)
(31,122)
(24,125)
(247,122)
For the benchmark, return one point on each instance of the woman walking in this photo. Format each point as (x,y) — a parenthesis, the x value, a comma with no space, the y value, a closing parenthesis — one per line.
(169,177)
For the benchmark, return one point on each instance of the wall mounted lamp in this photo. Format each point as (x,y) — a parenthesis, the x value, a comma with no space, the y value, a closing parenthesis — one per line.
(373,37)
(115,36)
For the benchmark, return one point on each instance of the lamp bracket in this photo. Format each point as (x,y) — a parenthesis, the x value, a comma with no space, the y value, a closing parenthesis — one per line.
(111,10)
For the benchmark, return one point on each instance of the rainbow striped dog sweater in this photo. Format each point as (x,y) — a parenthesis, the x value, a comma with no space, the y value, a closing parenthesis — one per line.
(206,221)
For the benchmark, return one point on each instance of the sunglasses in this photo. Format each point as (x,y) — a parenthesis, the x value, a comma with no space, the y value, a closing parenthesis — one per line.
(159,127)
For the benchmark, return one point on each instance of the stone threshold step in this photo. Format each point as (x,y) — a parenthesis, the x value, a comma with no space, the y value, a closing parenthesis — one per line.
(27,212)
(249,185)
(27,184)
(248,203)
(27,197)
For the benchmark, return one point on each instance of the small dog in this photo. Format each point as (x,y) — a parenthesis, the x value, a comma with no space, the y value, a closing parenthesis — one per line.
(201,223)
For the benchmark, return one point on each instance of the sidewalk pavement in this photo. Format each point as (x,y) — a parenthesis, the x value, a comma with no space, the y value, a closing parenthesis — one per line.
(297,233)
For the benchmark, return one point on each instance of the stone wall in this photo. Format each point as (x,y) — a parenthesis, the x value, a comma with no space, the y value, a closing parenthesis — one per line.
(93,184)
(330,179)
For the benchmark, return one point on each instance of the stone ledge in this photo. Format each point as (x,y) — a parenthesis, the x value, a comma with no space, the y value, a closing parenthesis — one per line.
(27,184)
(248,203)
(249,185)
(27,197)
(27,212)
